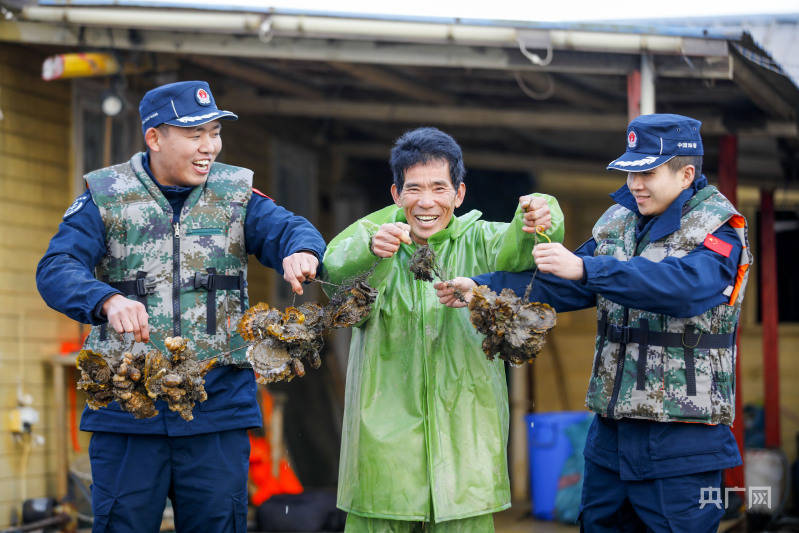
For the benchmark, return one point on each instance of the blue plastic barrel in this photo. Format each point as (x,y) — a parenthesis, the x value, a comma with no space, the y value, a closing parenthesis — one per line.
(549,449)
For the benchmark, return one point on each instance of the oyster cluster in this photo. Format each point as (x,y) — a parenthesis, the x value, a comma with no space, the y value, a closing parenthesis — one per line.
(350,305)
(284,341)
(514,329)
(423,264)
(136,381)
(424,267)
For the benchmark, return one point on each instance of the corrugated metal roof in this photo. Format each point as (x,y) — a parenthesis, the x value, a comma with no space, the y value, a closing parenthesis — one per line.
(777,35)
(638,27)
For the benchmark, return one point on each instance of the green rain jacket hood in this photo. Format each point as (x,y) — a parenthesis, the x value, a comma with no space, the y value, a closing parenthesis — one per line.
(426,413)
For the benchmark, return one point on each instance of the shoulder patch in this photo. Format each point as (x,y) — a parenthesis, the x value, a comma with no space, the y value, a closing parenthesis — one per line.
(717,245)
(259,193)
(77,205)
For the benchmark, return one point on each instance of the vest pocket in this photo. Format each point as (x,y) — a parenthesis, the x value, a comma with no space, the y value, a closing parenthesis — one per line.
(722,394)
(688,385)
(205,231)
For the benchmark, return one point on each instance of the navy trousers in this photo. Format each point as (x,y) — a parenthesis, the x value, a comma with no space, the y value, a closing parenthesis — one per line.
(205,476)
(670,504)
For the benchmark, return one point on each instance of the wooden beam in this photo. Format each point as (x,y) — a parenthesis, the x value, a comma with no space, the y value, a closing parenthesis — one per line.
(473,116)
(584,171)
(254,76)
(392,82)
(493,160)
(452,115)
(563,89)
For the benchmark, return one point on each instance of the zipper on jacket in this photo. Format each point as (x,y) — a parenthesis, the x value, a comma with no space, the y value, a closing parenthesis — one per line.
(622,345)
(619,367)
(176,280)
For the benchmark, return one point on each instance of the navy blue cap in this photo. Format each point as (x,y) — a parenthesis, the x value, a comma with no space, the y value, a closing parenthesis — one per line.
(654,139)
(184,104)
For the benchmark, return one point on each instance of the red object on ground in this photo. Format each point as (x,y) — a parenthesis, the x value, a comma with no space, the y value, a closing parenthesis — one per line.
(68,347)
(261,473)
(267,485)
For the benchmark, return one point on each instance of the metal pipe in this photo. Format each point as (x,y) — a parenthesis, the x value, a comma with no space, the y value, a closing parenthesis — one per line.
(320,27)
(147,19)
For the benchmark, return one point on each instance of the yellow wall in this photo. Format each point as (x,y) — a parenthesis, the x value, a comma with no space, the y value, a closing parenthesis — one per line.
(245,144)
(583,199)
(34,192)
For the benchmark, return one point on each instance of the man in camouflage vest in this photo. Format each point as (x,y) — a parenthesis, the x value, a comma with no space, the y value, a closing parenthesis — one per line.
(168,235)
(666,268)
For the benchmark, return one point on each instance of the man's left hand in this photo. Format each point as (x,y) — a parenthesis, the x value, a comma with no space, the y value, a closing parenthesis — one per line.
(536,213)
(299,267)
(554,258)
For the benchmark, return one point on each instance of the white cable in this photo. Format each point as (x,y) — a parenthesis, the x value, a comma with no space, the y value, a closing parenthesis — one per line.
(535,59)
(545,95)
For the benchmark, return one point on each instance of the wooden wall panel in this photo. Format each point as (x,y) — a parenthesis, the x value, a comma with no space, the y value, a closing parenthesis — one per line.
(34,192)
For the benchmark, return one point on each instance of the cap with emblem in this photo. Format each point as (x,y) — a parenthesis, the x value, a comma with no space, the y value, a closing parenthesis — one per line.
(184,104)
(654,139)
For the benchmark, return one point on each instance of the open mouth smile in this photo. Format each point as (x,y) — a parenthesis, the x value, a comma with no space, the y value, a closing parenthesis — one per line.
(426,219)
(201,165)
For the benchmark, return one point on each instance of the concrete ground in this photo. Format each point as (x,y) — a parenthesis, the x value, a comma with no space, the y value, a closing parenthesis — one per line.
(518,519)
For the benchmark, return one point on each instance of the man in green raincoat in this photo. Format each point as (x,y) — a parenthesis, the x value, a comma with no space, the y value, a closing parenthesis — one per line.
(426,413)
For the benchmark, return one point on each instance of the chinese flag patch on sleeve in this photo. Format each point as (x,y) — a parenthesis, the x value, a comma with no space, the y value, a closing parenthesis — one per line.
(717,245)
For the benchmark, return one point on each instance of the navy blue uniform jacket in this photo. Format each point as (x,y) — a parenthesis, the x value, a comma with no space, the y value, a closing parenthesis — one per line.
(681,287)
(65,278)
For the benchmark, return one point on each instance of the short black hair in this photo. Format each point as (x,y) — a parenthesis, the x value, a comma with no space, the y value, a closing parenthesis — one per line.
(421,146)
(676,163)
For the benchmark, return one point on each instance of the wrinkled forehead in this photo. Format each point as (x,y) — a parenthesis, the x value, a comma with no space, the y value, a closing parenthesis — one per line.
(434,168)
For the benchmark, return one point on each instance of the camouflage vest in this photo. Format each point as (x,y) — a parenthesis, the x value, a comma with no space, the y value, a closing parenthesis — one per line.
(191,275)
(659,367)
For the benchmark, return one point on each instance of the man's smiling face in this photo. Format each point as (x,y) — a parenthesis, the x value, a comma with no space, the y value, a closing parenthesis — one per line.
(428,198)
(183,156)
(654,190)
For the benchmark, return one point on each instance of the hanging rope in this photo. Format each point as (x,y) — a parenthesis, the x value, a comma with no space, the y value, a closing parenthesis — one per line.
(539,230)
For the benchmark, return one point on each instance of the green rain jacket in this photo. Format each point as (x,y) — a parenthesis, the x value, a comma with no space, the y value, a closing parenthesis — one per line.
(425,425)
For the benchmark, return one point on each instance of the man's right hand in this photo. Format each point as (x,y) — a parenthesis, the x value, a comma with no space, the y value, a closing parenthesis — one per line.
(387,240)
(536,213)
(456,292)
(127,316)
